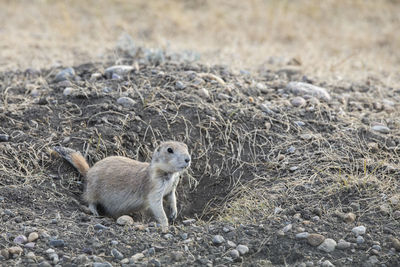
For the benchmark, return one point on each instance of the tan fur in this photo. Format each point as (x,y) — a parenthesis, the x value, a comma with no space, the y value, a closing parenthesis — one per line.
(123,186)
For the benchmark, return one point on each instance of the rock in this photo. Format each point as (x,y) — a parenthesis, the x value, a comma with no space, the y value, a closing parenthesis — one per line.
(298,101)
(343,244)
(15,250)
(102,264)
(234,254)
(154,263)
(29,245)
(188,221)
(99,226)
(54,258)
(33,237)
(231,244)
(360,239)
(180,85)
(5,253)
(137,257)
(381,129)
(377,247)
(300,124)
(168,236)
(396,244)
(218,240)
(44,264)
(328,245)
(81,259)
(385,209)
(30,255)
(396,215)
(184,236)
(4,137)
(359,230)
(95,76)
(115,76)
(57,243)
(64,74)
(116,254)
(293,168)
(327,263)
(287,228)
(118,70)
(349,217)
(21,239)
(242,249)
(291,150)
(125,220)
(204,93)
(300,88)
(126,102)
(315,239)
(68,91)
(302,235)
(124,261)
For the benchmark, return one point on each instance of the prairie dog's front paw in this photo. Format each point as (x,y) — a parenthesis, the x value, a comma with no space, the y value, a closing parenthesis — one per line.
(173,214)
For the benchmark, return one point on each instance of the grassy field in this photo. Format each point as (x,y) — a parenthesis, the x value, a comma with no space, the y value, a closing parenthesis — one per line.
(351,39)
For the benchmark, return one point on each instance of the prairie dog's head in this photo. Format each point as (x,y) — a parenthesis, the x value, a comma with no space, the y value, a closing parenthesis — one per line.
(171,156)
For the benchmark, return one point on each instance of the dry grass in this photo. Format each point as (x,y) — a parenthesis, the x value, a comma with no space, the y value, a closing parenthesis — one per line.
(352,39)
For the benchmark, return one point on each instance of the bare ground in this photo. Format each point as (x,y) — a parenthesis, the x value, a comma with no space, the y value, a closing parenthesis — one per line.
(255,169)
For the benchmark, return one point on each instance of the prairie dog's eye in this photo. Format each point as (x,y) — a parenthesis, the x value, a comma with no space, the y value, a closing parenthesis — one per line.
(170,150)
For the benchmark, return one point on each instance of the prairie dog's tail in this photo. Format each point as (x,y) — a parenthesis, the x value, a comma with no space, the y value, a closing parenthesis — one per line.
(73,157)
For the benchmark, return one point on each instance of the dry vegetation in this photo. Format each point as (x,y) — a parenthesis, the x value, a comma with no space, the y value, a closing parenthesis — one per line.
(351,39)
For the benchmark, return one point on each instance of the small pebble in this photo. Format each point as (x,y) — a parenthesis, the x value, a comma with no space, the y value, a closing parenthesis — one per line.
(242,249)
(302,235)
(359,230)
(168,236)
(291,150)
(177,255)
(218,240)
(126,102)
(4,137)
(180,85)
(21,239)
(15,250)
(154,263)
(343,244)
(300,88)
(349,217)
(381,129)
(33,237)
(396,215)
(360,239)
(64,74)
(99,226)
(328,245)
(298,101)
(231,244)
(188,221)
(315,239)
(327,263)
(118,70)
(299,123)
(30,255)
(125,220)
(116,254)
(234,254)
(204,93)
(396,244)
(29,245)
(138,256)
(57,243)
(68,91)
(287,228)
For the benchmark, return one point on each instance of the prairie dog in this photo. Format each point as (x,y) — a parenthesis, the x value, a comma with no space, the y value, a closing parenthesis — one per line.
(123,186)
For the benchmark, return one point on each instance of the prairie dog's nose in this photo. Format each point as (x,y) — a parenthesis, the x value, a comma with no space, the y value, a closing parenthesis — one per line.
(187,160)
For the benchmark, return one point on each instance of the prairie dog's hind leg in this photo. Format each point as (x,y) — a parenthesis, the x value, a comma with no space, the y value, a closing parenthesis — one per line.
(93,209)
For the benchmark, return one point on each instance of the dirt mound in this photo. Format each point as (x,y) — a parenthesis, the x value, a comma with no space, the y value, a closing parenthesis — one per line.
(266,154)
